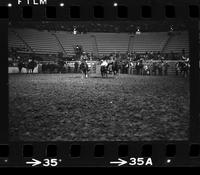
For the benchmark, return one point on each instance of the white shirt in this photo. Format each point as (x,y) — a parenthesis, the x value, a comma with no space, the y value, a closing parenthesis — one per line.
(104,63)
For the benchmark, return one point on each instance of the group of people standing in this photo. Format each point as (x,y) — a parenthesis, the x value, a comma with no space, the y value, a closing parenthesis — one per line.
(148,67)
(140,67)
(123,65)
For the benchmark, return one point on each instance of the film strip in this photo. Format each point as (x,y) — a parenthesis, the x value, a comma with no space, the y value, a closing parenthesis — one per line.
(90,154)
(72,10)
(100,132)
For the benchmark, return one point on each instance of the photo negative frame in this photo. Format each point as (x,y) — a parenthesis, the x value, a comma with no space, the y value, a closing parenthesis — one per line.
(29,26)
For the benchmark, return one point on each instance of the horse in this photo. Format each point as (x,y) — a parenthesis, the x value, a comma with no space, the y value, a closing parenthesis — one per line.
(104,68)
(166,66)
(111,68)
(76,64)
(114,67)
(104,71)
(60,66)
(30,66)
(84,68)
(154,68)
(139,67)
(183,68)
(44,68)
(160,68)
(20,65)
(146,70)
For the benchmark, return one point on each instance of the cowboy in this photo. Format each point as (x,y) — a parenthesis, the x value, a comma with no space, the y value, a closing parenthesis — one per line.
(166,66)
(84,67)
(104,63)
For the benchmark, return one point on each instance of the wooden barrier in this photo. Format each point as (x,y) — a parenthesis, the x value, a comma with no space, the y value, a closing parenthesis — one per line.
(94,67)
(14,70)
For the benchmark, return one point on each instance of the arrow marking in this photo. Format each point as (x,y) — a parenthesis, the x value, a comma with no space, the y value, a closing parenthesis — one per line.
(119,162)
(34,162)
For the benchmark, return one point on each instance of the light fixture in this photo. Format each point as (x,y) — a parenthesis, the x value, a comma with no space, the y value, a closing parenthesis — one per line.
(138,32)
(171,28)
(9,5)
(62,4)
(115,4)
(74,31)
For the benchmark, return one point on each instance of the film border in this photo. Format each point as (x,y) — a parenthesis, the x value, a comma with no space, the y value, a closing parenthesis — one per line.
(15,157)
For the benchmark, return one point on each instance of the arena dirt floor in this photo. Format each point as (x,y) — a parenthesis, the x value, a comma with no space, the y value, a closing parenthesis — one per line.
(65,107)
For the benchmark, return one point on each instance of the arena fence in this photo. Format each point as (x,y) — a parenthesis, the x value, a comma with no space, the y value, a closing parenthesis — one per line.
(93,65)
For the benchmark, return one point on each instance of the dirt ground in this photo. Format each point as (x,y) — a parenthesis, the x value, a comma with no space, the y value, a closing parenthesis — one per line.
(65,107)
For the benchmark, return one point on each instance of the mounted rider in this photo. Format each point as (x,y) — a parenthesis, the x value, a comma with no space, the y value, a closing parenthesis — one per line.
(84,66)
(104,63)
(104,68)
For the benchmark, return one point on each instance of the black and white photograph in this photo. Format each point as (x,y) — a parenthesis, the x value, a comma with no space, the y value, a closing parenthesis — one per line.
(98,81)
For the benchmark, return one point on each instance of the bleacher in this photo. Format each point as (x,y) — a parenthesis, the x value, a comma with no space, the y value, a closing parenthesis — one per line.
(178,42)
(45,42)
(147,42)
(68,41)
(41,42)
(112,42)
(14,41)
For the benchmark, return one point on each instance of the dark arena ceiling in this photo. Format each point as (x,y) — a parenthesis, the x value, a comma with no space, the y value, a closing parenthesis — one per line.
(103,26)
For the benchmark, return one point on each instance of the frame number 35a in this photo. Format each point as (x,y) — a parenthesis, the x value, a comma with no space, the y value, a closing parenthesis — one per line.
(140,161)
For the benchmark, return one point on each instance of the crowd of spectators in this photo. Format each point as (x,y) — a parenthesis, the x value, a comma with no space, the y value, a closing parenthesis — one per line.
(127,60)
(133,56)
(145,63)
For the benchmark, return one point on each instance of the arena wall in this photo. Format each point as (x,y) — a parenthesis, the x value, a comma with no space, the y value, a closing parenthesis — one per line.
(94,65)
(14,70)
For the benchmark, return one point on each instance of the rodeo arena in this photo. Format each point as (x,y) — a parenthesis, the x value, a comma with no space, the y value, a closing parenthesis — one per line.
(98,81)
